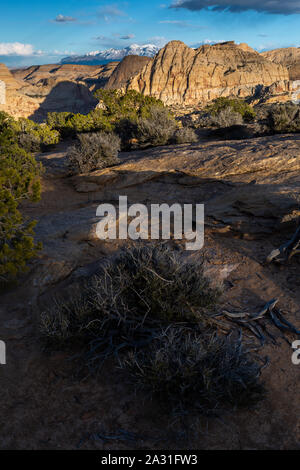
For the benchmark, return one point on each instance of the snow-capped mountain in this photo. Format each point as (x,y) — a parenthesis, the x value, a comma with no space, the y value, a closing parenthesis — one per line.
(109,55)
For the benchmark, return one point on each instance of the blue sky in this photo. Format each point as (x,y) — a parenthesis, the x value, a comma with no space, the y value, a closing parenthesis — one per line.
(36,32)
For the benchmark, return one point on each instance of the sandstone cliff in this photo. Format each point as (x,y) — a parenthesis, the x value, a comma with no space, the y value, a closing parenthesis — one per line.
(37,90)
(16,103)
(130,66)
(181,75)
(46,75)
(7,77)
(289,57)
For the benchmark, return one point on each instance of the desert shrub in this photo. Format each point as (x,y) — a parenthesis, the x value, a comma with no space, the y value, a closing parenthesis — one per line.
(226,118)
(94,152)
(145,287)
(60,122)
(19,179)
(284,118)
(204,119)
(19,172)
(127,130)
(237,106)
(17,245)
(119,113)
(156,129)
(130,105)
(188,370)
(33,137)
(70,124)
(185,135)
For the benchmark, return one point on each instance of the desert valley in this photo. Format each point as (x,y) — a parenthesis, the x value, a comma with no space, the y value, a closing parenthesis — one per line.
(141,344)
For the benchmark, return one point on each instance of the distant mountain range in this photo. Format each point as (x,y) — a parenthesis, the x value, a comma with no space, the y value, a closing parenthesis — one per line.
(109,55)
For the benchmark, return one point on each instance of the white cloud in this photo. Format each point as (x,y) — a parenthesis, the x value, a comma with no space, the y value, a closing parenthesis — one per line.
(127,36)
(64,19)
(182,24)
(17,48)
(207,42)
(110,12)
(159,41)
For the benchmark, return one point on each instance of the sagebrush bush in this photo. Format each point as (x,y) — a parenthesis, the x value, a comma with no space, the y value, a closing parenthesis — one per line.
(156,129)
(226,118)
(185,135)
(143,288)
(94,152)
(189,370)
(284,117)
(237,106)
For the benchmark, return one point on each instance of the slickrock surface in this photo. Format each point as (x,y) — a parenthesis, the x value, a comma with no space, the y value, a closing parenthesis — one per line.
(287,56)
(251,193)
(250,189)
(181,75)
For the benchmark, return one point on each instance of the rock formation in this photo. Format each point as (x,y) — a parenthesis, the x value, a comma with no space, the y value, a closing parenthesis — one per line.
(288,57)
(46,75)
(16,103)
(181,75)
(2,92)
(37,90)
(178,75)
(7,77)
(130,66)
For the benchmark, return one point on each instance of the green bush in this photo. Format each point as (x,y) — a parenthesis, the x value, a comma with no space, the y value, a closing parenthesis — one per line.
(27,134)
(284,118)
(237,105)
(127,114)
(19,179)
(188,370)
(130,105)
(94,152)
(70,124)
(17,246)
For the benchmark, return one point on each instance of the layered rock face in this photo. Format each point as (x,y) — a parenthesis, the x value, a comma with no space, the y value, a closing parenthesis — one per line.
(130,66)
(7,77)
(288,57)
(181,75)
(37,90)
(42,76)
(15,102)
(2,93)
